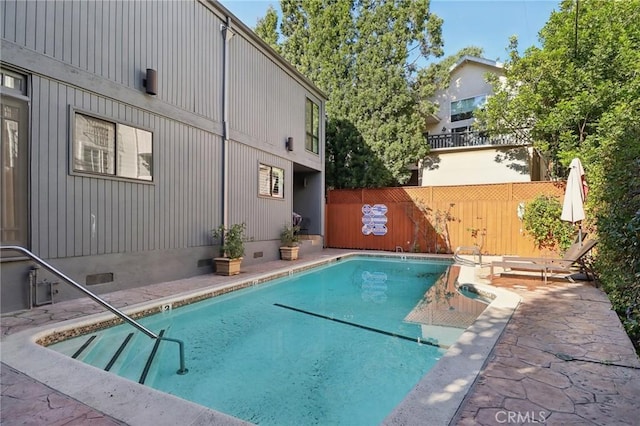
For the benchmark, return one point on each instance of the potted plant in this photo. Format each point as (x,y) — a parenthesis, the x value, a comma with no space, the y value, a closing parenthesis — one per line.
(289,242)
(231,248)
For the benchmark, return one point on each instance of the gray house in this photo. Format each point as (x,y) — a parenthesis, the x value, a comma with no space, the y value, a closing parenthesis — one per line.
(131,129)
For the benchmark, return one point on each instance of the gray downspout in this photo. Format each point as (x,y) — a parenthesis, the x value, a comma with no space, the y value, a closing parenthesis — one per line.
(227,34)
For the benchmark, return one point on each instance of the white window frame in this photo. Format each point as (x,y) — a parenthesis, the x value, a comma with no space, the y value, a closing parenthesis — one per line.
(270,181)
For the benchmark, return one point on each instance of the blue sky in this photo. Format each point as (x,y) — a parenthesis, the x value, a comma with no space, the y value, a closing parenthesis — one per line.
(484,23)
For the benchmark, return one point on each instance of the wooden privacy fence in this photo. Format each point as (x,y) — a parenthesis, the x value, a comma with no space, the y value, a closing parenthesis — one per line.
(434,219)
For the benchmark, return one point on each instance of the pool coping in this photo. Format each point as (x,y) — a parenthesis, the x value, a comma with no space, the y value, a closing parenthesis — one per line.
(438,395)
(435,398)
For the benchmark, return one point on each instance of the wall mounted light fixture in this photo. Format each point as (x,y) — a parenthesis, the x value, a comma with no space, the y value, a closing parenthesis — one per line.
(227,31)
(289,144)
(151,82)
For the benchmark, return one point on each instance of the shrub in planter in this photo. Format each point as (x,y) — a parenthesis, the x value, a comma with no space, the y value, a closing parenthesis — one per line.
(231,248)
(289,239)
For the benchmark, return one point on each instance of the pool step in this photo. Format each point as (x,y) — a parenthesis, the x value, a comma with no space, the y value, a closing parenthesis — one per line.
(152,355)
(84,346)
(118,352)
(129,355)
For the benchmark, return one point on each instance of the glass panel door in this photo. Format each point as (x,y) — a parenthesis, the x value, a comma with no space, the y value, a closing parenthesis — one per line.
(13,177)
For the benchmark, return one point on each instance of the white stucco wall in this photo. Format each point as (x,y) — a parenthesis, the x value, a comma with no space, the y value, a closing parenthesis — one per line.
(477,166)
(473,165)
(467,81)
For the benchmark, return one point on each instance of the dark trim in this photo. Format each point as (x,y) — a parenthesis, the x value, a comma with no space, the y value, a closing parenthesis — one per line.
(473,139)
(115,356)
(364,327)
(26,99)
(52,69)
(84,346)
(152,355)
(71,145)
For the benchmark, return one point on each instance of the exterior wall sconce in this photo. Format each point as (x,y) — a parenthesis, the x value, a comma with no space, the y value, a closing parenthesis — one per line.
(151,82)
(227,32)
(289,144)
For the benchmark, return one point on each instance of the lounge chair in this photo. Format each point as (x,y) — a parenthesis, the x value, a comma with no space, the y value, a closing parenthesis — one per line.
(575,254)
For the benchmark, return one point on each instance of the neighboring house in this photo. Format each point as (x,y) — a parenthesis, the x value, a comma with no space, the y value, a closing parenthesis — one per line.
(459,154)
(131,129)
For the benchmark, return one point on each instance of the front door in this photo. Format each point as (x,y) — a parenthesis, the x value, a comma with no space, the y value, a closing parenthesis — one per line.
(14,120)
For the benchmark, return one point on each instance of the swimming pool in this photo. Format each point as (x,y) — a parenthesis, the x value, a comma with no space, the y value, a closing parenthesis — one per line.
(306,349)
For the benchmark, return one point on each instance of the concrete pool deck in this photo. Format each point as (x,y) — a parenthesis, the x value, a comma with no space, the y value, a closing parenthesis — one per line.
(563,359)
(522,381)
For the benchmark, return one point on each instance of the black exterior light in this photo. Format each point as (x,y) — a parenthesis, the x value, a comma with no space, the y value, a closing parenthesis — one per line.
(151,82)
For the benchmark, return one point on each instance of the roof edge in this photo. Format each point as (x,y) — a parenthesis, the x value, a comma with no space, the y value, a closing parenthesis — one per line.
(261,45)
(478,60)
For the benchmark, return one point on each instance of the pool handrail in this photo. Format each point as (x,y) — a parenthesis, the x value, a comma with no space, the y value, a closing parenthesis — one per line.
(475,251)
(100,301)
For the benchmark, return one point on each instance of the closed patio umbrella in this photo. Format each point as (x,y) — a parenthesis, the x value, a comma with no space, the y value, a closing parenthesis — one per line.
(574,196)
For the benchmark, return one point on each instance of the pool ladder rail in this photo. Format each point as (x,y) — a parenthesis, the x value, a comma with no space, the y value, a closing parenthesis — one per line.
(97,299)
(473,250)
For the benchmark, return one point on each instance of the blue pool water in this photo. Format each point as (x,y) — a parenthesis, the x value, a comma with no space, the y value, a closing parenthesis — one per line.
(327,346)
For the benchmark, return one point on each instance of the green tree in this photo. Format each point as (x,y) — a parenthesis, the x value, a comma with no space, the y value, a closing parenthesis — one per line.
(542,221)
(359,53)
(561,90)
(350,163)
(579,95)
(267,28)
(618,215)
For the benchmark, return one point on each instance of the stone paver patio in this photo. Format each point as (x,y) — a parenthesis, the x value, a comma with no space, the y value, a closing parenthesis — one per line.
(525,380)
(563,359)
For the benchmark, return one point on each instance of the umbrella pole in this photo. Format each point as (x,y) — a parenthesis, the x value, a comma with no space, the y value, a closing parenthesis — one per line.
(580,233)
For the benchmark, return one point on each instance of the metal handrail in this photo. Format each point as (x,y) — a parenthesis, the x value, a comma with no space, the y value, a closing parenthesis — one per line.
(474,138)
(100,301)
(475,250)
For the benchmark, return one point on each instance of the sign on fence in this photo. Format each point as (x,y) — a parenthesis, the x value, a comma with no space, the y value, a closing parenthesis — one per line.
(374,219)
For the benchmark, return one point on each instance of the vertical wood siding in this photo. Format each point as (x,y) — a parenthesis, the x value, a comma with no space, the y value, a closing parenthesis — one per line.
(267,104)
(264,216)
(491,209)
(77,215)
(119,40)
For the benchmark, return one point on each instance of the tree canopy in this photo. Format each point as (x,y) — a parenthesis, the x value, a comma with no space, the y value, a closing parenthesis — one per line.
(586,68)
(362,54)
(579,96)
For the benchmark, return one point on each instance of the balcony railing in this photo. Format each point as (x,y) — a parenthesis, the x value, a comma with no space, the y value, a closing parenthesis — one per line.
(470,139)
